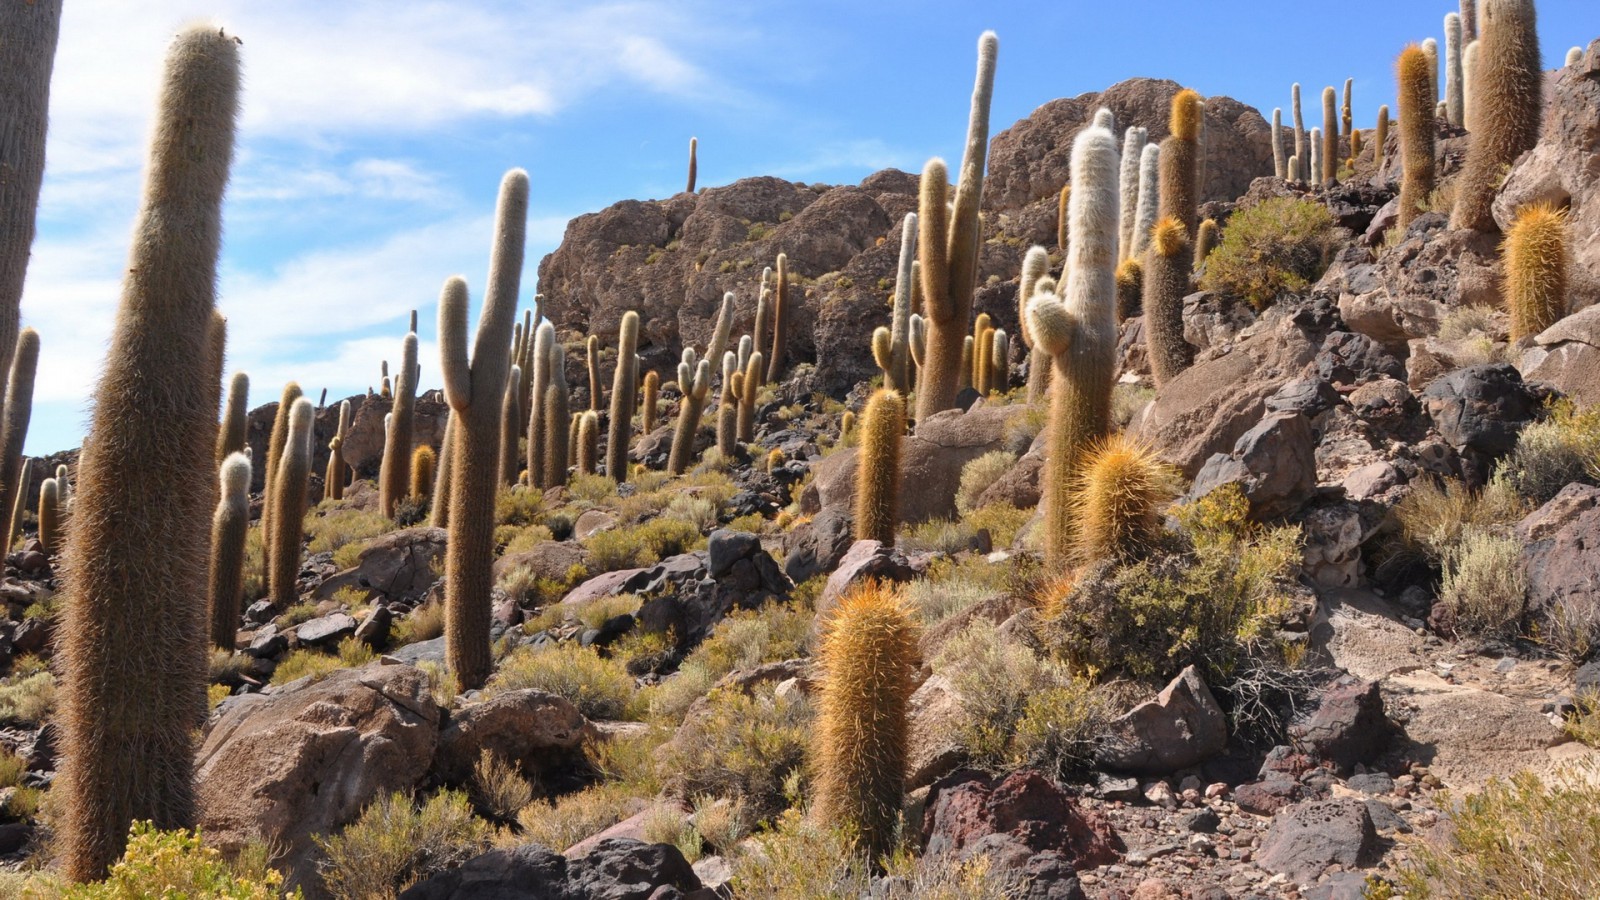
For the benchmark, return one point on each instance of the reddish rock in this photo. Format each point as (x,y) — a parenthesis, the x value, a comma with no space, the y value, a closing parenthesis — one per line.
(967,807)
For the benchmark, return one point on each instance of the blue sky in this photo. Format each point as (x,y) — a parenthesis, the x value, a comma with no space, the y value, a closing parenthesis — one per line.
(374,133)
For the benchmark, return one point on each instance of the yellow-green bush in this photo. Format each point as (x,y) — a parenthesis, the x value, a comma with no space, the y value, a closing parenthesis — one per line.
(303,662)
(743,746)
(1484,587)
(1553,453)
(743,640)
(1433,516)
(27,696)
(569,819)
(635,546)
(519,505)
(1281,245)
(395,844)
(978,474)
(499,787)
(600,688)
(331,529)
(424,623)
(169,864)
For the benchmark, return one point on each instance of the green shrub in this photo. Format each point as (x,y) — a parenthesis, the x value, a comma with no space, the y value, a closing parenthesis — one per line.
(742,746)
(743,640)
(395,844)
(1279,246)
(978,474)
(1434,515)
(318,665)
(1484,588)
(424,623)
(171,864)
(1551,454)
(518,505)
(600,688)
(27,696)
(330,529)
(592,489)
(569,819)
(635,546)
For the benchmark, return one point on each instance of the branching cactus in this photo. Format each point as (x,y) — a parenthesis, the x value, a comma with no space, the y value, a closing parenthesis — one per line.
(749,387)
(1079,331)
(897,372)
(696,387)
(235,418)
(333,481)
(1035,265)
(948,244)
(869,659)
(1180,162)
(544,347)
(624,397)
(1508,93)
(557,410)
(131,651)
(1535,255)
(18,412)
(1417,134)
(229,527)
(289,500)
(1166,283)
(473,387)
(883,425)
(780,320)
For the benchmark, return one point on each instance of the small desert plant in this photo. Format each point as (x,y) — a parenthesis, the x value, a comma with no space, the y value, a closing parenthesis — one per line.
(318,665)
(1435,514)
(1584,722)
(396,843)
(498,787)
(640,545)
(978,475)
(1462,322)
(424,623)
(332,527)
(1551,454)
(600,688)
(742,746)
(1278,246)
(172,864)
(722,823)
(743,640)
(565,821)
(27,697)
(1484,587)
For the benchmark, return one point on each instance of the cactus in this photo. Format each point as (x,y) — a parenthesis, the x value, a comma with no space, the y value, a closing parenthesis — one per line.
(510,429)
(1430,52)
(1205,241)
(948,247)
(421,474)
(231,434)
(1298,174)
(1535,255)
(1280,163)
(1380,138)
(439,507)
(982,365)
(1316,154)
(1294,167)
(919,343)
(592,347)
(883,424)
(1417,133)
(749,386)
(556,402)
(397,447)
(1355,146)
(869,660)
(20,506)
(1469,71)
(695,388)
(694,162)
(1061,216)
(64,485)
(1180,154)
(525,361)
(728,403)
(746,346)
(588,442)
(229,527)
(1079,331)
(652,392)
(1346,112)
(333,481)
(279,434)
(1149,194)
(965,380)
(624,397)
(131,646)
(18,410)
(288,501)
(847,424)
(780,320)
(1469,20)
(1509,96)
(1000,361)
(1166,283)
(897,374)
(574,425)
(1574,56)
(763,314)
(1330,138)
(49,516)
(1035,265)
(542,356)
(1118,500)
(774,460)
(1130,290)
(1454,93)
(473,388)
(720,334)
(1133,141)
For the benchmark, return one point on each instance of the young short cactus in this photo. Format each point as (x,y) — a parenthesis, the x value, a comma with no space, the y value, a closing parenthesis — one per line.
(1133,141)
(999,361)
(982,365)
(289,501)
(868,660)
(624,397)
(728,402)
(1416,134)
(780,320)
(967,353)
(1180,162)
(652,393)
(333,480)
(948,247)
(510,428)
(130,650)
(847,424)
(1205,241)
(748,388)
(883,425)
(422,460)
(1130,290)
(49,516)
(1330,138)
(1508,93)
(696,387)
(1535,255)
(1380,137)
(1166,283)
(1454,92)
(18,411)
(235,418)
(1079,331)
(1118,500)
(1149,198)
(230,525)
(557,410)
(588,442)
(1574,56)
(774,460)
(473,387)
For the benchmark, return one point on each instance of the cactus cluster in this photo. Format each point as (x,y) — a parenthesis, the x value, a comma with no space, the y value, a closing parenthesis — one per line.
(694,380)
(1507,93)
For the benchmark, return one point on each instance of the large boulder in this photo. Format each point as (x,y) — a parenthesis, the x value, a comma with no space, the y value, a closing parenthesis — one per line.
(1480,411)
(398,567)
(1274,463)
(1567,355)
(307,757)
(1182,727)
(1030,810)
(534,730)
(1563,565)
(616,869)
(1307,838)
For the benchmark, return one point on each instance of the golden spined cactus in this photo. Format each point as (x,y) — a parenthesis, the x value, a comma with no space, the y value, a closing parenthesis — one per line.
(774,460)
(1535,259)
(1061,216)
(897,374)
(1180,162)
(422,461)
(883,425)
(624,397)
(19,507)
(1355,147)
(230,525)
(288,501)
(1346,111)
(1130,290)
(1035,265)
(231,434)
(592,347)
(948,247)
(1000,361)
(694,162)
(275,439)
(17,413)
(1454,92)
(1417,133)
(1330,138)
(1118,500)
(847,424)
(333,481)
(439,508)
(1205,241)
(1380,138)
(1149,198)
(384,390)
(721,333)
(728,401)
(1296,172)
(1079,331)
(131,654)
(510,428)
(1166,283)
(1133,141)
(868,660)
(473,387)
(696,387)
(49,516)
(982,365)
(1508,93)
(557,410)
(749,388)
(652,393)
(541,354)
(780,320)
(588,442)
(1280,163)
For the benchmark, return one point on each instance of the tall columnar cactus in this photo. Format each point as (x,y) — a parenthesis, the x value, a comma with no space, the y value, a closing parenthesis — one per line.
(1298,174)
(229,527)
(439,508)
(49,516)
(780,320)
(422,461)
(1417,134)
(1035,265)
(1469,77)
(1509,96)
(883,425)
(131,646)
(510,429)
(289,501)
(652,393)
(1316,154)
(1280,163)
(982,365)
(63,484)
(694,162)
(965,381)
(1061,216)
(473,387)
(557,403)
(728,402)
(897,372)
(397,449)
(1118,500)
(20,506)
(1535,256)
(235,416)
(1454,93)
(333,481)
(1149,198)
(748,387)
(18,411)
(722,333)
(275,440)
(1380,138)
(525,361)
(592,348)
(694,379)
(869,659)
(1205,242)
(1130,290)
(1469,20)
(1330,138)
(999,361)
(1355,146)
(588,442)
(1346,111)
(948,246)
(1079,331)
(919,343)
(624,397)
(1180,155)
(763,317)
(1133,141)
(1166,283)
(542,355)
(1430,51)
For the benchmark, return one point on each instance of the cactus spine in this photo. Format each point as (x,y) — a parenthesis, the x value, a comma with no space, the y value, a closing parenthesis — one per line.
(557,410)
(652,392)
(1035,265)
(333,481)
(695,388)
(780,320)
(1079,331)
(593,348)
(1535,254)
(624,397)
(1133,141)
(1330,138)
(510,428)
(421,474)
(1119,499)
(1149,194)
(948,246)
(229,527)
(544,347)
(131,651)
(869,659)
(883,423)
(18,411)
(472,388)
(694,162)
(1454,93)
(230,436)
(1280,164)
(1166,282)
(49,516)
(1508,94)
(1299,134)
(1180,154)
(588,442)
(1416,134)
(289,500)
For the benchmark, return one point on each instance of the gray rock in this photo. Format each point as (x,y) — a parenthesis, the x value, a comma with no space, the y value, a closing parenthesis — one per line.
(1308,837)
(816,546)
(1275,462)
(532,729)
(618,869)
(326,630)
(865,561)
(1480,411)
(1182,727)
